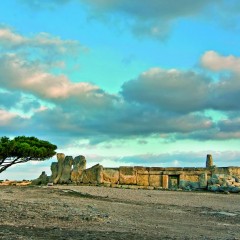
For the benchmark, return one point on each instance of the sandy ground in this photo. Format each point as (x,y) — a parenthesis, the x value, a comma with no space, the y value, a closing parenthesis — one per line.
(87,212)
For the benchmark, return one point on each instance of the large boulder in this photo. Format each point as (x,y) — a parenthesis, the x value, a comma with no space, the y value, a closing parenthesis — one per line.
(79,165)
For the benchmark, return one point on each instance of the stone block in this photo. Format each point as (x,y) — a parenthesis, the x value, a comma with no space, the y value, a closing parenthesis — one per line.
(110,175)
(173,169)
(143,179)
(128,175)
(156,169)
(155,180)
(93,175)
(165,181)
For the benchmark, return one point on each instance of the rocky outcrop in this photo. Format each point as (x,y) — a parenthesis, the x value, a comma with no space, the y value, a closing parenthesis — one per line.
(79,165)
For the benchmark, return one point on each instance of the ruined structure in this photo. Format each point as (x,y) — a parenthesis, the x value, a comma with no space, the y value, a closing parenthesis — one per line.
(69,170)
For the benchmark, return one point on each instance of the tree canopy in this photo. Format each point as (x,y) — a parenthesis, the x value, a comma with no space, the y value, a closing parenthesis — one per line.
(23,149)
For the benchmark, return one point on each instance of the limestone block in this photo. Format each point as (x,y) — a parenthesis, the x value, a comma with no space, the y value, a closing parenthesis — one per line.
(165,181)
(189,169)
(151,172)
(110,175)
(79,165)
(128,175)
(191,178)
(173,169)
(155,180)
(143,179)
(60,158)
(54,170)
(66,170)
(157,169)
(141,169)
(93,175)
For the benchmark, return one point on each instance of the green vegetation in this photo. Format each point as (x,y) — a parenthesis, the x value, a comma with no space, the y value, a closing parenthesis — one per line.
(23,149)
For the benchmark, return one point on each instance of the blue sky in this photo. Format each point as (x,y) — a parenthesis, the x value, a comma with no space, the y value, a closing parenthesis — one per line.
(152,83)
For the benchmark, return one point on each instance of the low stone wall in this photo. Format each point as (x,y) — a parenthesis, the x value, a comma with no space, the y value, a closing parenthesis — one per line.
(69,170)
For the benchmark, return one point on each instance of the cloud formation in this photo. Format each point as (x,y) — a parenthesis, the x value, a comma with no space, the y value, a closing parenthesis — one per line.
(158,102)
(216,62)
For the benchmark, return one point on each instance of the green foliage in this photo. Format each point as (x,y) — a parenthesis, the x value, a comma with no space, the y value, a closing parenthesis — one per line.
(23,149)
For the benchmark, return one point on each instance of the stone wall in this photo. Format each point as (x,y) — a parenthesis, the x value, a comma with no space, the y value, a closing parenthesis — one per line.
(69,170)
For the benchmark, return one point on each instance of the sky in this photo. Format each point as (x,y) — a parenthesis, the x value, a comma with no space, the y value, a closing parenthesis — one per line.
(124,83)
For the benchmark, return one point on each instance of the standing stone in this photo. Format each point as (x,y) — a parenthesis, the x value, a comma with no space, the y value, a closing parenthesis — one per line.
(209,161)
(66,170)
(79,165)
(54,170)
(60,158)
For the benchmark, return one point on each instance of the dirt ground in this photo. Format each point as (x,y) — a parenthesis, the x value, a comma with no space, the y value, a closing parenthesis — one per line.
(88,212)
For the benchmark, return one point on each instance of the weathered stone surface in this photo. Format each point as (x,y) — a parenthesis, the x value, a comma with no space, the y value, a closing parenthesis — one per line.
(128,175)
(54,170)
(43,179)
(66,171)
(155,180)
(143,179)
(209,161)
(173,169)
(79,165)
(93,175)
(156,169)
(165,181)
(60,158)
(111,175)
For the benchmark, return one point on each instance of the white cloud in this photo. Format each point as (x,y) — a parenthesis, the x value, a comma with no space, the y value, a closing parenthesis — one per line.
(216,62)
(15,74)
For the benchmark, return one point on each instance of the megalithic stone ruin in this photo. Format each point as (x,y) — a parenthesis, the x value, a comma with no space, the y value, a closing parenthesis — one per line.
(69,170)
